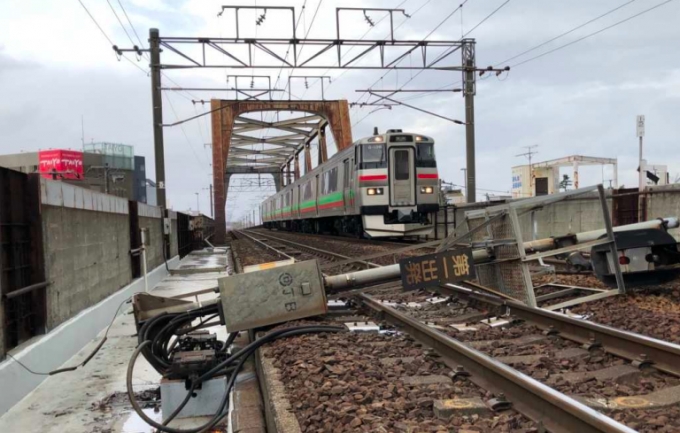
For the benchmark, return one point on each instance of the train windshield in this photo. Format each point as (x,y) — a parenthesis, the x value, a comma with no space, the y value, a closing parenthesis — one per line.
(425,155)
(373,156)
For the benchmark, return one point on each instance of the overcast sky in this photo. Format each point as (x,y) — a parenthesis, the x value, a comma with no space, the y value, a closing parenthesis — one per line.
(56,66)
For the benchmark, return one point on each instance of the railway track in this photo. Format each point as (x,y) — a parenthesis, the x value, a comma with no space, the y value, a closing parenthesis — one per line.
(395,243)
(298,251)
(604,358)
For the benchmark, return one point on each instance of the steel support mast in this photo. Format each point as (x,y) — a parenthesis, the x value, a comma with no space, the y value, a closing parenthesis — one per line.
(469,90)
(157,102)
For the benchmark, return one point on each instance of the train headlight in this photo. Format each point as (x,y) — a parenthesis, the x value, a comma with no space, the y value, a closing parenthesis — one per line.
(426,190)
(375,191)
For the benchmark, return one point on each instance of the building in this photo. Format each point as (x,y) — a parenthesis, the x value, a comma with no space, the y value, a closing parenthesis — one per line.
(95,169)
(140,180)
(453,195)
(150,188)
(543,178)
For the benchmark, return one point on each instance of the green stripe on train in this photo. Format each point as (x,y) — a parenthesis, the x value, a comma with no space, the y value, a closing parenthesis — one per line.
(330,198)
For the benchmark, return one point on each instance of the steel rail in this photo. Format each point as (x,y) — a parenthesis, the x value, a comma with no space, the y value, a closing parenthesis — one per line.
(318,251)
(663,356)
(262,244)
(556,411)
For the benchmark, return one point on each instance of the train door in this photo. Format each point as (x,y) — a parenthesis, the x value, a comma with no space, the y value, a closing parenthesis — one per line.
(317,193)
(297,202)
(347,186)
(402,177)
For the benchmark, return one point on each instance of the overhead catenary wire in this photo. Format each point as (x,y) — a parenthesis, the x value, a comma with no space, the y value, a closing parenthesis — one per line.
(448,51)
(442,22)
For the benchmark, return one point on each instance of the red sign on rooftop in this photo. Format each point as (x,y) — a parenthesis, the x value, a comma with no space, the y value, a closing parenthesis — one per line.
(60,164)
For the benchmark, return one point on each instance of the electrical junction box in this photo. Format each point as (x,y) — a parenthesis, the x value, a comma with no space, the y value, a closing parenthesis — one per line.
(272,296)
(167,226)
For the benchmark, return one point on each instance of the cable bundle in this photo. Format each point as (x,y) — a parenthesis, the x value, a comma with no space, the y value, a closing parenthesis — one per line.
(155,342)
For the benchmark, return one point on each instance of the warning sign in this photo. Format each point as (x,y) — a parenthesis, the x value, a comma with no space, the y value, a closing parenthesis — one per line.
(434,269)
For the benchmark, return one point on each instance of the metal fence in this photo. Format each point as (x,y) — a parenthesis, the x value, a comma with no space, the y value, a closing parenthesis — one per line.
(22,280)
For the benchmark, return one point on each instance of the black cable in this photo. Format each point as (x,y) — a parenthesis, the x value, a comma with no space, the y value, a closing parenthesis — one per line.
(241,356)
(87,359)
(178,409)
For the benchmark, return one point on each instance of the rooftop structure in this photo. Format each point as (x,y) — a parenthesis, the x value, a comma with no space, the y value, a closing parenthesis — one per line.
(542,178)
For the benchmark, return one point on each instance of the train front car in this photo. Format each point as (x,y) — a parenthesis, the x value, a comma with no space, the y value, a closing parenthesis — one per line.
(398,184)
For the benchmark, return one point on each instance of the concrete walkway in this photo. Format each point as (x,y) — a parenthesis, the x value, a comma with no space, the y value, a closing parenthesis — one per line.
(94,398)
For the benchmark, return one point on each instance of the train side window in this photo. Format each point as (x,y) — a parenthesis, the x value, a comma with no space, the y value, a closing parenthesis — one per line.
(333,181)
(329,181)
(307,191)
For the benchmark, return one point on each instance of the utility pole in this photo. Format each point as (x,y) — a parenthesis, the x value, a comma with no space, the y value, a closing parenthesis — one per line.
(198,207)
(157,102)
(469,90)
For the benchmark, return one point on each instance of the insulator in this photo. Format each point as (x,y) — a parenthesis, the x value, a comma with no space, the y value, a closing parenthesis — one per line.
(369,20)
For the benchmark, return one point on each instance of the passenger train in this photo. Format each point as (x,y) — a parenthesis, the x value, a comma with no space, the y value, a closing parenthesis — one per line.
(382,186)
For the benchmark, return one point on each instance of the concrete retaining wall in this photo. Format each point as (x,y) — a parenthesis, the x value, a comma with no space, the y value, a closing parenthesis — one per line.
(86,242)
(50,351)
(568,216)
(664,202)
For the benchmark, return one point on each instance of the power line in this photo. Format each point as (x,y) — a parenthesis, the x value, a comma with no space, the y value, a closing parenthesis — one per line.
(566,33)
(550,40)
(141,44)
(120,22)
(594,33)
(306,34)
(167,98)
(109,39)
(489,16)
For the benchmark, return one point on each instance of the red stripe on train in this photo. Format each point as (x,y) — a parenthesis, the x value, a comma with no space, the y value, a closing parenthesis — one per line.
(331,205)
(372,177)
(428,176)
